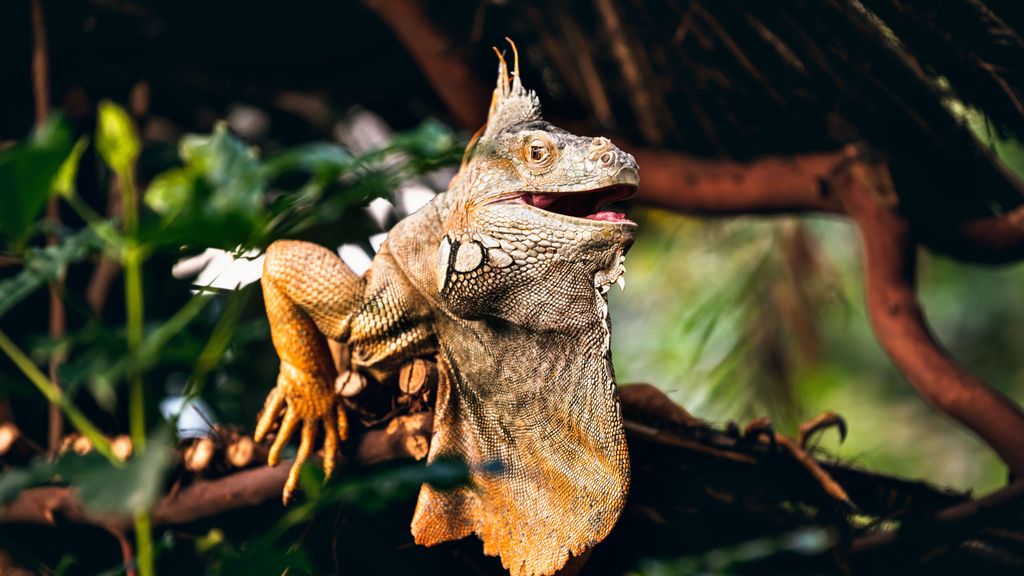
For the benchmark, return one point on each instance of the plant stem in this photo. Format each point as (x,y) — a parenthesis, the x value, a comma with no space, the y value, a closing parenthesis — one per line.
(56,396)
(133,255)
(133,304)
(144,544)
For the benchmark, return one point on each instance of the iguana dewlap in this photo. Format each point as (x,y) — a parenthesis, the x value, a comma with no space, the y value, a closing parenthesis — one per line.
(503,279)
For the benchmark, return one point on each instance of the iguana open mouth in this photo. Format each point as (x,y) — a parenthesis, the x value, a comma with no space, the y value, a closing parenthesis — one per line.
(589,204)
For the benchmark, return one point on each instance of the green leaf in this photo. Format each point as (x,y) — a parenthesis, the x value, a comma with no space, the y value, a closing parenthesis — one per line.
(27,173)
(169,192)
(45,264)
(260,557)
(322,159)
(431,139)
(103,487)
(116,141)
(64,183)
(12,482)
(215,199)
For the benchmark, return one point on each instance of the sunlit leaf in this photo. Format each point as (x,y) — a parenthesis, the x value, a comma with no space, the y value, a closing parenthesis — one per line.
(64,183)
(169,192)
(116,141)
(431,139)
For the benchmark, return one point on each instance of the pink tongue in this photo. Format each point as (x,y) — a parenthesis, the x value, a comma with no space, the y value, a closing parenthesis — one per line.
(608,217)
(542,201)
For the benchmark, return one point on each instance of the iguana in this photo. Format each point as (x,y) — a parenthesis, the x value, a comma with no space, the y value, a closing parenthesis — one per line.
(504,280)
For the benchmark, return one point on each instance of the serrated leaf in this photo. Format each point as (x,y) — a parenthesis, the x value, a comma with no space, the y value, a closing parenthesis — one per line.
(216,199)
(116,141)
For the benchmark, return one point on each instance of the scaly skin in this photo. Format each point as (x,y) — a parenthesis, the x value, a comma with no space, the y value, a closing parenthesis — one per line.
(511,301)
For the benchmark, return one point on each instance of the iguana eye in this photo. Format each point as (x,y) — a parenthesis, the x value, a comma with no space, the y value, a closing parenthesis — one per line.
(538,151)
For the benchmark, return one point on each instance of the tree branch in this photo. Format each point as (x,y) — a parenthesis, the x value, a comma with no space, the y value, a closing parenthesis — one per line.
(899,323)
(651,419)
(771,185)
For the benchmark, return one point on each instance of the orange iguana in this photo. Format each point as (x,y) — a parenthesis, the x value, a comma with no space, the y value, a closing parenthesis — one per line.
(503,280)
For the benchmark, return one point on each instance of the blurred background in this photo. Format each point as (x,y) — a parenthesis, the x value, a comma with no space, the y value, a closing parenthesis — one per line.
(317,120)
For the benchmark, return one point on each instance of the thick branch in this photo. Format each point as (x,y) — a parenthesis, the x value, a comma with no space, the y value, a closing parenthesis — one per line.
(899,323)
(651,418)
(718,187)
(199,500)
(800,184)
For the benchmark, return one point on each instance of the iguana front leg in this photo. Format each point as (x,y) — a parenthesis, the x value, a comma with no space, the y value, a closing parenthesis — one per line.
(310,293)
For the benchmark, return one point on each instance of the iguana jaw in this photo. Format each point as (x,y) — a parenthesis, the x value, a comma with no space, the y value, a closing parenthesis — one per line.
(583,205)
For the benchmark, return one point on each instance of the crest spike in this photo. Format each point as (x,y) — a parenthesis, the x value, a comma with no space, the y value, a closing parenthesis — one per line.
(502,72)
(511,103)
(515,56)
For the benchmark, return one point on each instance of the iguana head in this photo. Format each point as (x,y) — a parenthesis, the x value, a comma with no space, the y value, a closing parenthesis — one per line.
(529,208)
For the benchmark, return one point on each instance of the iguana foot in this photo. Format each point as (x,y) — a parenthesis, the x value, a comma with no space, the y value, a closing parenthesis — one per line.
(301,398)
(761,430)
(820,423)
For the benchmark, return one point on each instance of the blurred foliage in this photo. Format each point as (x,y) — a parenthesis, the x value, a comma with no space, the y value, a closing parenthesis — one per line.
(27,173)
(220,193)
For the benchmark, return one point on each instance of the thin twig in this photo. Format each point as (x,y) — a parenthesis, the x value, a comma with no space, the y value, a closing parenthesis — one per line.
(58,315)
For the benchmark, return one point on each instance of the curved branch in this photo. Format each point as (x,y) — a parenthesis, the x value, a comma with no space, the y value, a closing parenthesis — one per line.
(900,325)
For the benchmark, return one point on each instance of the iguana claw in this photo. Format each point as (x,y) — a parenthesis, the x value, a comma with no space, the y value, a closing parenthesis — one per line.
(298,399)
